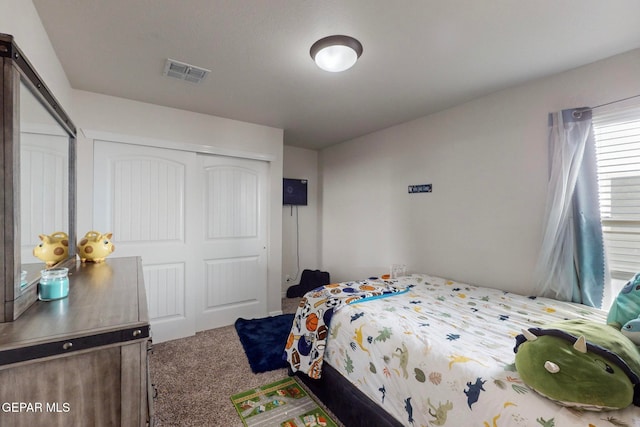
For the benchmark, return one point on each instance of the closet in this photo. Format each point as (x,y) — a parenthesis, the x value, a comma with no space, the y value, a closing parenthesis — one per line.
(199,223)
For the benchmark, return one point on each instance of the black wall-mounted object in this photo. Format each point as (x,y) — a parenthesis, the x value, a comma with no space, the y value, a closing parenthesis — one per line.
(294,192)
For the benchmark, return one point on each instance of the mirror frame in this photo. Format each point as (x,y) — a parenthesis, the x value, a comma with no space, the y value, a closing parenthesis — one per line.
(15,68)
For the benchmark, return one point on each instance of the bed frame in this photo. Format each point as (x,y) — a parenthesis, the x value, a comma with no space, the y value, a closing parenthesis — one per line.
(352,407)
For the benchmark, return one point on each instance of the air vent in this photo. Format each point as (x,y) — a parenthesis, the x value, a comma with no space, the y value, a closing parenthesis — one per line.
(183,71)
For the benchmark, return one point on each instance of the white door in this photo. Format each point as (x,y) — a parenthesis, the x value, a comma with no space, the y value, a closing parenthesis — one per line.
(143,194)
(44,186)
(233,240)
(199,223)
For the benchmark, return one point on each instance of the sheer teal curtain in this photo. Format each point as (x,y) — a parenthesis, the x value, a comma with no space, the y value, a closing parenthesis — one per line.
(571,265)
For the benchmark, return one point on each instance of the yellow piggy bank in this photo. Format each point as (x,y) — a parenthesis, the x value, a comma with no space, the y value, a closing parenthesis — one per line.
(53,248)
(95,247)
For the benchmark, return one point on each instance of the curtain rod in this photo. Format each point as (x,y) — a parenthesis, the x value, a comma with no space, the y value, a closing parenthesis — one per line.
(578,112)
(614,102)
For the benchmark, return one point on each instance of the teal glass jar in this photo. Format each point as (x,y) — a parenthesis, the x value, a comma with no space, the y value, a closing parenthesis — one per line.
(54,284)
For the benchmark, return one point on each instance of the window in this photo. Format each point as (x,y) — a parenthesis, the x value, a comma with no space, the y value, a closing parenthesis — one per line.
(617,135)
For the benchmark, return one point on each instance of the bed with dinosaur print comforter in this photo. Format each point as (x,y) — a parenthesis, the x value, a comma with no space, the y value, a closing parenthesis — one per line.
(440,353)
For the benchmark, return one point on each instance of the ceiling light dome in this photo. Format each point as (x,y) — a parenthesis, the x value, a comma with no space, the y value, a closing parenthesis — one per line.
(336,53)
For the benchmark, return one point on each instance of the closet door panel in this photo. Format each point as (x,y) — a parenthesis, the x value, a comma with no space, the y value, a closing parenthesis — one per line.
(233,254)
(141,195)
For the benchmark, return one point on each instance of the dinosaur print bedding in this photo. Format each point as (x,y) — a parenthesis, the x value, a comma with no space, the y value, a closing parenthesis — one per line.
(442,354)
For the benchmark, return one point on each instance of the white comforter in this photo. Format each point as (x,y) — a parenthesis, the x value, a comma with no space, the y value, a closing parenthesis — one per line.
(442,355)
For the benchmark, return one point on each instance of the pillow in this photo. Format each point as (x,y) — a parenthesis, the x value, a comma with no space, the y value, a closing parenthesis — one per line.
(580,363)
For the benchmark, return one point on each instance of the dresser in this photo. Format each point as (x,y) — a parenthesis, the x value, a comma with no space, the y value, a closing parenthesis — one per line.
(81,360)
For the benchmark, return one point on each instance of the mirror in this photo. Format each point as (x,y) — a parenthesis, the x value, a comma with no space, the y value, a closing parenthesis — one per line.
(44,182)
(37,186)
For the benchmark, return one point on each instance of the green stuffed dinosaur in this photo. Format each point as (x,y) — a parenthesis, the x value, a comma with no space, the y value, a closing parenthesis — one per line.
(580,363)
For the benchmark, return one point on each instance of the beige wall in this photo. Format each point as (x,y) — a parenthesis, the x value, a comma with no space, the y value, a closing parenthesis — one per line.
(300,238)
(487,161)
(20,19)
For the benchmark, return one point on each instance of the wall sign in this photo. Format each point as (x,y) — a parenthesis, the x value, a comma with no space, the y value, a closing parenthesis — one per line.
(421,188)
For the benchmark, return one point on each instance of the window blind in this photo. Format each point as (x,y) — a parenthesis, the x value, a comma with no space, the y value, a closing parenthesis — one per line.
(617,135)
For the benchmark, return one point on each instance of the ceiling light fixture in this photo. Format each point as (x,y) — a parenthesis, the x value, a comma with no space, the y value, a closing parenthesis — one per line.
(336,53)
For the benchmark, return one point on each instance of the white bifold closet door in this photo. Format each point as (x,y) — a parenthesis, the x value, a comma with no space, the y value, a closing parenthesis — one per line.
(198,222)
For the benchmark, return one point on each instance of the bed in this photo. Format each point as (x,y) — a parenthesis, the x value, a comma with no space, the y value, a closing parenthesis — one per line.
(426,351)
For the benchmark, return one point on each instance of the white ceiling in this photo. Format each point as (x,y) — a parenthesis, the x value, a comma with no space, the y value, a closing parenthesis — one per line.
(420,56)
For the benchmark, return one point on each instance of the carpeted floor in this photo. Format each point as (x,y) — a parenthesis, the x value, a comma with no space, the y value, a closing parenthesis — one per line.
(195,377)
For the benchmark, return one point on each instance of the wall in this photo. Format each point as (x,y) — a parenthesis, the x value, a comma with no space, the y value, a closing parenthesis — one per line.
(300,228)
(487,161)
(20,19)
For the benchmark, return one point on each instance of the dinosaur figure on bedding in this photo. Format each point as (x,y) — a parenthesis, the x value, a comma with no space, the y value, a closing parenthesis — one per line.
(409,408)
(440,413)
(473,393)
(403,355)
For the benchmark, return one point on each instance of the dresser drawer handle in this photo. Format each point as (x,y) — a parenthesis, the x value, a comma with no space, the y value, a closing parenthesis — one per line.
(67,345)
(137,332)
